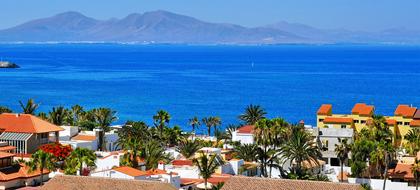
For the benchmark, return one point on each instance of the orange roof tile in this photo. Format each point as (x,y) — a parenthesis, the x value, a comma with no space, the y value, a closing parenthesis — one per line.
(18,171)
(325,109)
(214,179)
(130,171)
(253,183)
(362,109)
(391,121)
(7,148)
(84,138)
(156,172)
(26,123)
(401,171)
(182,163)
(345,120)
(248,129)
(405,111)
(415,123)
(6,155)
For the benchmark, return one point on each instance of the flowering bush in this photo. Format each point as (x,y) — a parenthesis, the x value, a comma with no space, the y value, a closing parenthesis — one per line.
(58,150)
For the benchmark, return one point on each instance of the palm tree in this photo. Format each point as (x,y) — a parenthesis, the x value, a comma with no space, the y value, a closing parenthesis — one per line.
(58,115)
(152,153)
(131,137)
(208,122)
(413,137)
(41,160)
(43,115)
(253,113)
(81,157)
(77,112)
(104,118)
(342,150)
(188,148)
(230,129)
(207,165)
(172,135)
(247,152)
(416,171)
(162,119)
(194,123)
(299,148)
(215,122)
(4,109)
(30,106)
(262,137)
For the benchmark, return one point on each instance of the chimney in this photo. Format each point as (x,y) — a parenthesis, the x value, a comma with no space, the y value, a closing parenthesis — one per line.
(18,114)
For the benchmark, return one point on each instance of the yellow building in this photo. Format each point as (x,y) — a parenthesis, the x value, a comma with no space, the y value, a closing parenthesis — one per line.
(405,118)
(357,119)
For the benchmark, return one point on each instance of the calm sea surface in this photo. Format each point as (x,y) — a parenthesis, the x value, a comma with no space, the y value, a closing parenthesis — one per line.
(290,81)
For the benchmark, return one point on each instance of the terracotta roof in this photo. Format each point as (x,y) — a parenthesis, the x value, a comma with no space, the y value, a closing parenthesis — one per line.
(7,148)
(214,179)
(158,172)
(26,123)
(130,171)
(18,171)
(325,109)
(253,183)
(246,129)
(94,183)
(401,171)
(405,111)
(362,109)
(182,163)
(415,123)
(6,155)
(84,138)
(391,121)
(344,120)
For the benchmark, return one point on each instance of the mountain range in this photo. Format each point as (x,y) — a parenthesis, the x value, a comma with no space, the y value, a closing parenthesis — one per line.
(167,27)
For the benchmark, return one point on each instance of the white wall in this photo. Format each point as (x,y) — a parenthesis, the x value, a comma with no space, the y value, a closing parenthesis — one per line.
(69,131)
(184,171)
(243,138)
(107,162)
(377,184)
(236,165)
(83,144)
(116,175)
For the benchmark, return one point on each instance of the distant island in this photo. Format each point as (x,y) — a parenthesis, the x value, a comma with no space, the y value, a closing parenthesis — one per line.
(161,27)
(7,65)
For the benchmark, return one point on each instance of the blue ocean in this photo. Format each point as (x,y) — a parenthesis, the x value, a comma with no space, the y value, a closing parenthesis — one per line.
(289,81)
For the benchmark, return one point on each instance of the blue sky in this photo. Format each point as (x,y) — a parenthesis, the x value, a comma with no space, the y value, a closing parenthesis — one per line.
(368,15)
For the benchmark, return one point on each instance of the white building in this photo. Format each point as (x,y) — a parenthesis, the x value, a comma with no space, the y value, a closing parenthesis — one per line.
(244,134)
(123,172)
(328,138)
(108,160)
(89,139)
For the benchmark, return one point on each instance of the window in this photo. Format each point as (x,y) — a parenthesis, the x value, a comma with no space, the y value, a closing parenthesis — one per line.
(356,121)
(321,120)
(406,123)
(362,121)
(343,126)
(399,123)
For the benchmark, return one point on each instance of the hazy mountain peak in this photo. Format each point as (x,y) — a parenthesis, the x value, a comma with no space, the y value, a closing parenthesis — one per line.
(167,27)
(70,14)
